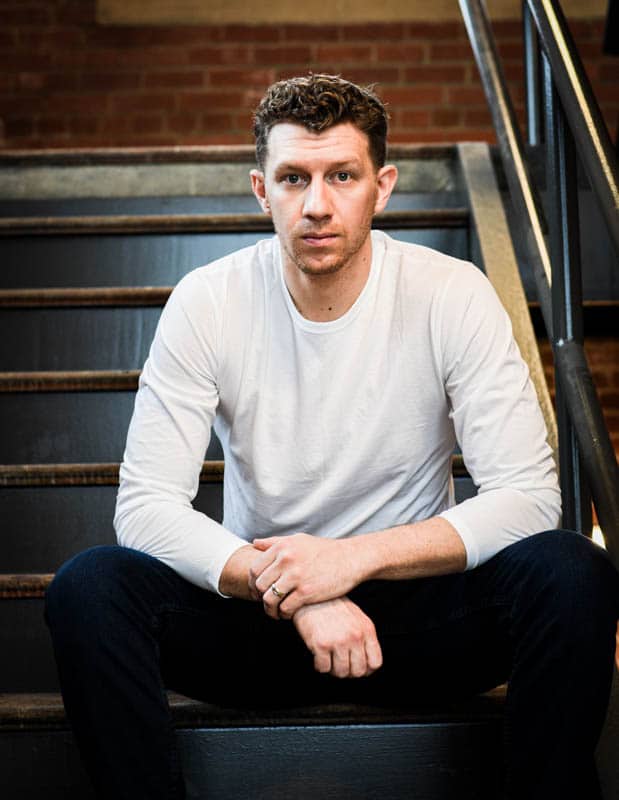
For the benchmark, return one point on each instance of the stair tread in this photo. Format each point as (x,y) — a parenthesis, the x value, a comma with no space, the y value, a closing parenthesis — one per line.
(46,710)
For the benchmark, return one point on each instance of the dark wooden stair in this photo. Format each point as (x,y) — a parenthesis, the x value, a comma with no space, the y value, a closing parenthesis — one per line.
(81,284)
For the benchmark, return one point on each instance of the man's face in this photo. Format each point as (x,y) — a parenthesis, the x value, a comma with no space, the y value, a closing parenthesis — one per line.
(322,191)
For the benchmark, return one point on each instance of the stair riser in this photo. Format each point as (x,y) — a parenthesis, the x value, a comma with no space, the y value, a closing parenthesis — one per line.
(76,338)
(45,526)
(457,761)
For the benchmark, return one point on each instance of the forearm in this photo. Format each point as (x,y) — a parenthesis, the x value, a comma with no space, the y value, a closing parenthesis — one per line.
(417,550)
(308,569)
(234,578)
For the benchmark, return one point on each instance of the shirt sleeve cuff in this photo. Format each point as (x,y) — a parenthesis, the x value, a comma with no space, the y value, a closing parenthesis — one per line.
(465,533)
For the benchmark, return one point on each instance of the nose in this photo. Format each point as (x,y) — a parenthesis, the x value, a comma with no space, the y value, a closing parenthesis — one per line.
(317,200)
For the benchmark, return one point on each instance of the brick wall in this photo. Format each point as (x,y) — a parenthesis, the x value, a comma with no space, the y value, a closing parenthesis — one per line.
(67,81)
(603,358)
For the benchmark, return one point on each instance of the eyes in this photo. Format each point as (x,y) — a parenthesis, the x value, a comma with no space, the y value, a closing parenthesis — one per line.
(294,179)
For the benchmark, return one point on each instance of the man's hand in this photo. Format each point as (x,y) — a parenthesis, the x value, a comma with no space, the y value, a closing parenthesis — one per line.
(341,637)
(304,570)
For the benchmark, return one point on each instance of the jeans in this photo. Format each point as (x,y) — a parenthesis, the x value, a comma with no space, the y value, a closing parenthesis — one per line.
(541,615)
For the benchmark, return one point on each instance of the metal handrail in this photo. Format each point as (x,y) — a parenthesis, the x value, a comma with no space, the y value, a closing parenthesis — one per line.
(575,379)
(581,109)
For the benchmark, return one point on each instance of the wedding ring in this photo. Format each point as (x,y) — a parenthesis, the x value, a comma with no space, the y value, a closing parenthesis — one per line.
(277,592)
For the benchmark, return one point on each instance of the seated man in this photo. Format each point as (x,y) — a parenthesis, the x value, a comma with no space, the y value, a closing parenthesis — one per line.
(339,368)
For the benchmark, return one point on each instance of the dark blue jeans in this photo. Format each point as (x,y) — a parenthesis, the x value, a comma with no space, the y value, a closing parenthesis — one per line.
(541,615)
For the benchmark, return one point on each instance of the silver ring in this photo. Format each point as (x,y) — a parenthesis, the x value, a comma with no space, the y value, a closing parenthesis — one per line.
(277,592)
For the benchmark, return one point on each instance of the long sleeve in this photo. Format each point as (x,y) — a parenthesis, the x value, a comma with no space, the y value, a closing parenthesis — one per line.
(167,440)
(497,421)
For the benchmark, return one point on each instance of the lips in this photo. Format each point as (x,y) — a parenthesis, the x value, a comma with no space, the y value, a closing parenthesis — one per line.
(319,239)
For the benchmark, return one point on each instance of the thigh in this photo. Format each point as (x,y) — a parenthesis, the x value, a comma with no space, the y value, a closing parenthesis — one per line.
(441,637)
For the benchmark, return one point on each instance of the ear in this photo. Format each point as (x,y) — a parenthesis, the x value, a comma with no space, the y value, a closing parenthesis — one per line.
(386,178)
(259,189)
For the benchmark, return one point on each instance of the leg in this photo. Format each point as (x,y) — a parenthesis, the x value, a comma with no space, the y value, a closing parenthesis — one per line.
(542,613)
(124,625)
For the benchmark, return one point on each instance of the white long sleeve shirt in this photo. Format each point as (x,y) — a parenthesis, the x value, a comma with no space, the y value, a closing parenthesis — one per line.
(333,428)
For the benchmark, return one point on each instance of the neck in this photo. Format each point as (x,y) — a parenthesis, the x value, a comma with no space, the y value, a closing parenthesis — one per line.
(326,297)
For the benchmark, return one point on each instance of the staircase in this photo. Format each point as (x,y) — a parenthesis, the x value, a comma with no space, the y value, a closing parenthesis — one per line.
(90,245)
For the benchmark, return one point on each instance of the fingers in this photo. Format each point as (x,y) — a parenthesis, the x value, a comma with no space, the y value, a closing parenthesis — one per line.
(272,599)
(357,661)
(264,544)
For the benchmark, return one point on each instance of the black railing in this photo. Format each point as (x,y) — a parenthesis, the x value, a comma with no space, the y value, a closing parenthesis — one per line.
(564,116)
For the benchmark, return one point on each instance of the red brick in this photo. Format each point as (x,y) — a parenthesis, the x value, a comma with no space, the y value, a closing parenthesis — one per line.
(7,38)
(467,96)
(52,38)
(412,95)
(609,71)
(510,50)
(283,54)
(143,101)
(427,74)
(79,102)
(76,12)
(182,122)
(220,55)
(477,117)
(51,125)
(446,116)
(61,81)
(30,61)
(241,77)
(507,28)
(414,119)
(25,14)
(250,33)
(107,81)
(437,31)
(174,80)
(18,126)
(147,123)
(454,51)
(373,31)
(198,101)
(82,125)
(114,123)
(213,120)
(344,52)
(310,33)
(30,81)
(589,49)
(7,82)
(414,53)
(605,93)
(378,76)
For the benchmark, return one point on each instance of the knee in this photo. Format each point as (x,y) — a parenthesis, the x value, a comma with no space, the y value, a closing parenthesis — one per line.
(82,585)
(571,573)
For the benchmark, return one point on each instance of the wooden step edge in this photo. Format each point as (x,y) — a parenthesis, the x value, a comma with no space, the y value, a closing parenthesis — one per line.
(70,381)
(23,586)
(105,474)
(95,297)
(45,710)
(209,223)
(242,153)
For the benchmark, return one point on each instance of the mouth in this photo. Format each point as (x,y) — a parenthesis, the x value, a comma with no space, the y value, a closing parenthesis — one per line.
(319,239)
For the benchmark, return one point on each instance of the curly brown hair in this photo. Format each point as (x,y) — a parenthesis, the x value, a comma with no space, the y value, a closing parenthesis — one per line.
(317,102)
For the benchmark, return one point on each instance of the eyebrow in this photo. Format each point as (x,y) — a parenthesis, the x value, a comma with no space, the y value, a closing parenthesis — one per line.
(338,165)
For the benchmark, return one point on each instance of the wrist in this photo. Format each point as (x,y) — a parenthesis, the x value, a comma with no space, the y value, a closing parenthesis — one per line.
(234,578)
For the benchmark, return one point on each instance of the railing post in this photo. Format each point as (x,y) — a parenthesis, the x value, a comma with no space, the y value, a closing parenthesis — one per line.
(532,78)
(562,213)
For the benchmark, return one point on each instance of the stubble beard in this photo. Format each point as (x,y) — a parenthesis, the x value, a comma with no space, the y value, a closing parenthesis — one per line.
(308,266)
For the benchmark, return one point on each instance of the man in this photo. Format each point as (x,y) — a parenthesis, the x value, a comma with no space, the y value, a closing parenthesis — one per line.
(339,368)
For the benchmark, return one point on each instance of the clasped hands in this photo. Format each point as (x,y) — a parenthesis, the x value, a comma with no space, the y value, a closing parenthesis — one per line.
(312,577)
